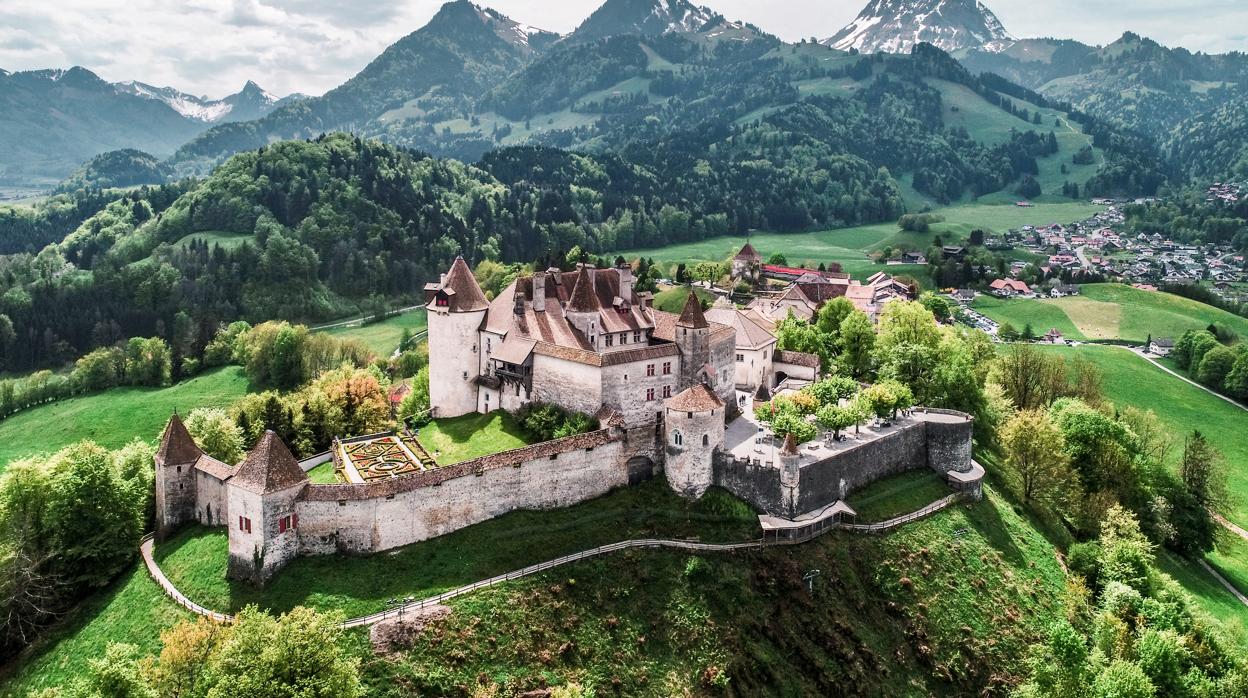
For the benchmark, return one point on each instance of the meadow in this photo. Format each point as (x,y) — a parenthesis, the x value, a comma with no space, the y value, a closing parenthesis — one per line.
(851,247)
(1131,380)
(115,417)
(383,337)
(1111,312)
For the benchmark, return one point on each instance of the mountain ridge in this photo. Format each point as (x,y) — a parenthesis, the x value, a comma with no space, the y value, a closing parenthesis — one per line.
(895,26)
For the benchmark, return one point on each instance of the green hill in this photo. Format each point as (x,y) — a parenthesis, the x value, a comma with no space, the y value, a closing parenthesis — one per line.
(1111,312)
(114,417)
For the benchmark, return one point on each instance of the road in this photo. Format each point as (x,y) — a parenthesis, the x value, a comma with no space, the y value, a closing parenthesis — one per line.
(1080,252)
(1151,359)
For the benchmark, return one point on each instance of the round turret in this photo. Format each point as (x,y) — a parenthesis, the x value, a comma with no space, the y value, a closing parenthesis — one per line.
(457,309)
(693,431)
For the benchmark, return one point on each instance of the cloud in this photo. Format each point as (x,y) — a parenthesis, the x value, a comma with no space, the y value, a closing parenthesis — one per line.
(213,46)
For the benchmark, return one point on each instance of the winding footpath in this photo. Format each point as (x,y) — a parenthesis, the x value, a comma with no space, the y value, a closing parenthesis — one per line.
(414,607)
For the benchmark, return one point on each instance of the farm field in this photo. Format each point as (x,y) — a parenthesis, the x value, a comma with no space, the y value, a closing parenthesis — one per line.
(383,337)
(114,417)
(851,246)
(1111,311)
(1130,380)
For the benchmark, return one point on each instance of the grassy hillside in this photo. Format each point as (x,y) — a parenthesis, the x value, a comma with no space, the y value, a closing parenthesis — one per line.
(1111,311)
(850,246)
(1135,381)
(946,605)
(114,417)
(383,337)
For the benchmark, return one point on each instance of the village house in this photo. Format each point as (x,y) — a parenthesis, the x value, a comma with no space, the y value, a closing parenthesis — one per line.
(1161,346)
(1009,288)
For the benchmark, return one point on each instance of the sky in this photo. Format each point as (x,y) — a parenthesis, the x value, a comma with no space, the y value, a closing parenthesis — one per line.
(212,47)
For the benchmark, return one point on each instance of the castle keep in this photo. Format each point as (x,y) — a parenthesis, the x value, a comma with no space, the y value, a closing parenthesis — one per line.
(664,388)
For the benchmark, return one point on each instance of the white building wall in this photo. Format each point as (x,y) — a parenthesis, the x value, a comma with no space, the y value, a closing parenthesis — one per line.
(571,385)
(454,361)
(690,459)
(754,368)
(625,387)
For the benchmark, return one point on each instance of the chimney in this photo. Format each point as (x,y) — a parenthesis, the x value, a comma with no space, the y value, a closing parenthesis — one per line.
(442,282)
(539,292)
(626,284)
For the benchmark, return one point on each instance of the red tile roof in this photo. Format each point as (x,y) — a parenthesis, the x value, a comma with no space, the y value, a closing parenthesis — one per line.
(269,467)
(176,445)
(699,398)
(692,315)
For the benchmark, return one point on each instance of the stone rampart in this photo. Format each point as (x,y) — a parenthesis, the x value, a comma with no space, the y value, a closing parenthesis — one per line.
(367,518)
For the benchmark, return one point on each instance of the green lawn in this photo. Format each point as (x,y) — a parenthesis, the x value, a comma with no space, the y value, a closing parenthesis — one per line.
(1111,311)
(850,246)
(227,241)
(323,474)
(897,495)
(455,440)
(383,337)
(1208,594)
(1133,380)
(195,559)
(673,299)
(1230,559)
(132,609)
(115,417)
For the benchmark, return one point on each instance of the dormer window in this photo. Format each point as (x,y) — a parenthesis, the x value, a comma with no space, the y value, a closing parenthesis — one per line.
(442,301)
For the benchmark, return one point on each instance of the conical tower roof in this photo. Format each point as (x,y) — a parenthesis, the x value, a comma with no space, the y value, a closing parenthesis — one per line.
(176,445)
(584,298)
(269,467)
(748,253)
(462,288)
(692,315)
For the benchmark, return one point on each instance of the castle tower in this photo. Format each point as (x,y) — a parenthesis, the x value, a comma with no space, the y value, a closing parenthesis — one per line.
(745,265)
(583,307)
(175,478)
(693,339)
(457,309)
(263,522)
(693,428)
(790,475)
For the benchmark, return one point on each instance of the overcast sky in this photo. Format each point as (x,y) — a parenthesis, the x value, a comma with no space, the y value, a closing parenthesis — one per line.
(213,46)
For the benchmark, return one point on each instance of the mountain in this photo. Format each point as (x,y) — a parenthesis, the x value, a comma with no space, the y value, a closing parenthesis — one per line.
(428,75)
(643,18)
(895,26)
(51,121)
(1134,82)
(117,168)
(1212,145)
(251,102)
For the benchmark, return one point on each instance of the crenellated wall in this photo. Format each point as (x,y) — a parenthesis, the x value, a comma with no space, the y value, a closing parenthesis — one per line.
(942,444)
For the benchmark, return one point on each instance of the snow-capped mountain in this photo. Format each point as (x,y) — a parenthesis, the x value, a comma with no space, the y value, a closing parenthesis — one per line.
(895,26)
(520,35)
(251,102)
(644,17)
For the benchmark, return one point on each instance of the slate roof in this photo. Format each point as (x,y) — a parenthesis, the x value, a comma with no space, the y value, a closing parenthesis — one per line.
(692,315)
(797,358)
(749,253)
(750,334)
(269,467)
(176,445)
(462,289)
(699,398)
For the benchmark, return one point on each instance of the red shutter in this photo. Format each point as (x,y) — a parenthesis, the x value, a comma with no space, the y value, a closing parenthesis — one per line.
(281,524)
(295,520)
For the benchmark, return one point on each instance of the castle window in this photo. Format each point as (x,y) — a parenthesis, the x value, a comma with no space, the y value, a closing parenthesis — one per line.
(667,391)
(706,440)
(649,394)
(688,415)
(244,524)
(610,340)
(667,368)
(623,338)
(649,369)
(442,301)
(489,345)
(636,337)
(285,523)
(678,438)
(740,358)
(179,468)
(465,375)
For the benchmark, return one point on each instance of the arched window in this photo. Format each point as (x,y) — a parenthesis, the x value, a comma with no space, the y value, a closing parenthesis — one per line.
(706,440)
(678,438)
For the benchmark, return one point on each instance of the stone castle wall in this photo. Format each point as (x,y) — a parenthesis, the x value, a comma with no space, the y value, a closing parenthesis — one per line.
(176,498)
(453,340)
(941,446)
(368,518)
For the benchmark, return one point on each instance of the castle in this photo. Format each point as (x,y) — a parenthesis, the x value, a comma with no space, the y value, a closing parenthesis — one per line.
(670,393)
